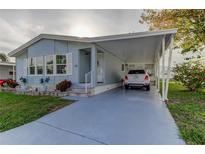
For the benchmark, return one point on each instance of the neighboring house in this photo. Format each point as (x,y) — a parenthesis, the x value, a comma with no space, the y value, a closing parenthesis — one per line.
(7,70)
(97,63)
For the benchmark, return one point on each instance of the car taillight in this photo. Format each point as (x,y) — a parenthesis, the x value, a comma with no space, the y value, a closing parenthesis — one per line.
(146,77)
(126,78)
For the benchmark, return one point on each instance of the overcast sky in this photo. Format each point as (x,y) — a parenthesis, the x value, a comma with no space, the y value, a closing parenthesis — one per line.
(19,26)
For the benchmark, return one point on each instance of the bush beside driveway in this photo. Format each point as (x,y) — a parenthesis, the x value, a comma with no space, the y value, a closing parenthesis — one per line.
(16,110)
(188,110)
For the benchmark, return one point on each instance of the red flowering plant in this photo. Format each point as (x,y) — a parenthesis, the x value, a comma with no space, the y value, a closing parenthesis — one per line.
(191,75)
(10,83)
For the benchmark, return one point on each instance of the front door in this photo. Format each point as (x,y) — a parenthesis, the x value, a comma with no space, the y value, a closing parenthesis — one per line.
(84,64)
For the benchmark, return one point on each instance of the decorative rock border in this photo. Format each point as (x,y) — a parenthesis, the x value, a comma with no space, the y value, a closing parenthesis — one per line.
(35,93)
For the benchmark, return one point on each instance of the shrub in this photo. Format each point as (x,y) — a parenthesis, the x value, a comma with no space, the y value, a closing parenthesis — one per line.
(10,83)
(47,79)
(63,85)
(191,75)
(43,81)
(23,80)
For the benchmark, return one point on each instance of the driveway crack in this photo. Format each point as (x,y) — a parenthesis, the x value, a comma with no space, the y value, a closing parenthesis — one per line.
(74,133)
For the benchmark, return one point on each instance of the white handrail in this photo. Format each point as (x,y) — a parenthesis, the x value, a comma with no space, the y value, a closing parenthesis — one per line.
(86,80)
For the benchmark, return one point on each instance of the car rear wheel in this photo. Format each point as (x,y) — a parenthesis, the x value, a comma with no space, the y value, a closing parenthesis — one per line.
(147,88)
(126,86)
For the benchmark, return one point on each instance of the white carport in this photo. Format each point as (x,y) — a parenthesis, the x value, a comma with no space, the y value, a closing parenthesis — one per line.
(143,47)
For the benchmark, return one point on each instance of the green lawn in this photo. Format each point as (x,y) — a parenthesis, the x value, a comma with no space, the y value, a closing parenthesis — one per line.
(16,110)
(188,110)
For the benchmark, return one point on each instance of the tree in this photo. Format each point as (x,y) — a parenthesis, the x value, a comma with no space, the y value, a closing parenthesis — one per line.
(190,23)
(191,75)
(3,57)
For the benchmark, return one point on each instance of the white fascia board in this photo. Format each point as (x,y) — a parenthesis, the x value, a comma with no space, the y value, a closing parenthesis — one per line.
(133,35)
(7,64)
(12,53)
(92,39)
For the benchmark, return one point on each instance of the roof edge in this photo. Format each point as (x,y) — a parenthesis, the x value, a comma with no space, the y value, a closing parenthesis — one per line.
(91,39)
(7,64)
(134,35)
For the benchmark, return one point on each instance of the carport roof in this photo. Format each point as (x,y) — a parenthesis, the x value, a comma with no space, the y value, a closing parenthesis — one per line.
(131,47)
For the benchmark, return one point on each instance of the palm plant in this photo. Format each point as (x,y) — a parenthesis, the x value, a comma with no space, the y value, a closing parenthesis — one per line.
(3,57)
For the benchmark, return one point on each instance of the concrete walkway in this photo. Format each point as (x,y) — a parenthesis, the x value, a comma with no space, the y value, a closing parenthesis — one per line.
(115,117)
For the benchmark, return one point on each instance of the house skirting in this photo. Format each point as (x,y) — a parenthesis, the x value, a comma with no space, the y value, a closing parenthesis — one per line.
(103,88)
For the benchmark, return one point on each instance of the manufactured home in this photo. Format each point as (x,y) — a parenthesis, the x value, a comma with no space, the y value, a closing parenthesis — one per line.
(7,70)
(94,64)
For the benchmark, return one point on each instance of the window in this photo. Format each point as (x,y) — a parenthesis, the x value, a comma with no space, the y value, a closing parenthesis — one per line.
(39,65)
(31,66)
(61,64)
(11,72)
(136,72)
(49,64)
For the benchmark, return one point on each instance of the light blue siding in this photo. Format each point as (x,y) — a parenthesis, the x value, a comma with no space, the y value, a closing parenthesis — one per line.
(61,47)
(112,67)
(41,48)
(20,65)
(46,47)
(113,72)
(74,48)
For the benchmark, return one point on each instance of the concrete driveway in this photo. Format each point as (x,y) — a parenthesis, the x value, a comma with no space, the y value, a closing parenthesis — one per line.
(114,117)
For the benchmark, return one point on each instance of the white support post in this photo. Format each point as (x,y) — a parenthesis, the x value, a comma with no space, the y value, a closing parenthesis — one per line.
(158,82)
(13,73)
(158,72)
(169,70)
(155,73)
(93,66)
(86,83)
(163,69)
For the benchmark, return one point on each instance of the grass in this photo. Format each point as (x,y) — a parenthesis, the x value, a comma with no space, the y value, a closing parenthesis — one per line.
(16,110)
(188,110)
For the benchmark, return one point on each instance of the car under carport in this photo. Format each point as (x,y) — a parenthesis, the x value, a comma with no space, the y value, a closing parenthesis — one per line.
(143,50)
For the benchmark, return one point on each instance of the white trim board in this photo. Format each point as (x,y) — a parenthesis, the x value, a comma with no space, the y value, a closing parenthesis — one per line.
(103,88)
(91,39)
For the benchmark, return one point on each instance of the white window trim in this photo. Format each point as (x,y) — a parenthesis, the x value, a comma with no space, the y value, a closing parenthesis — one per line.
(68,64)
(35,65)
(45,66)
(40,65)
(28,66)
(61,64)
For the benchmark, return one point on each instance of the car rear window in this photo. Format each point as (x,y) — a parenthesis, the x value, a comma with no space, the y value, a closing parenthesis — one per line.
(136,72)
